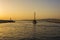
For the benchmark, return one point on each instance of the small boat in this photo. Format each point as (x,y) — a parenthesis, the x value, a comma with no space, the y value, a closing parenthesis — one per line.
(11,20)
(34,21)
(7,21)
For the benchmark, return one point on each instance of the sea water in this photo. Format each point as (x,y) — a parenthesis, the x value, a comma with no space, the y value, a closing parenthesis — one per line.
(24,29)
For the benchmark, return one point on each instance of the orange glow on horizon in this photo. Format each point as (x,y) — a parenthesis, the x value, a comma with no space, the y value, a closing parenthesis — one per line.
(19,9)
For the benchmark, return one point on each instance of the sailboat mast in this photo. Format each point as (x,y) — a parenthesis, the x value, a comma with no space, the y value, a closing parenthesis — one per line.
(10,18)
(34,26)
(34,21)
(34,15)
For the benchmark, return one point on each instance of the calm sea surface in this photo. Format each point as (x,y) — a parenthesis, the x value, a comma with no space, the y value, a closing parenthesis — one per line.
(24,29)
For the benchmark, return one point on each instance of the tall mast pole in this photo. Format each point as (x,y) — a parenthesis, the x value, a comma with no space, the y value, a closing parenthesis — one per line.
(34,15)
(34,26)
(10,18)
(34,21)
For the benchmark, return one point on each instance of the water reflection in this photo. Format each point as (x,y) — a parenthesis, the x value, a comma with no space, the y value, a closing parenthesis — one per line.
(24,29)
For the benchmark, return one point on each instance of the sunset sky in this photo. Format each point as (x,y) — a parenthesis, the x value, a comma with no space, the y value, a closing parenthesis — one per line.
(24,9)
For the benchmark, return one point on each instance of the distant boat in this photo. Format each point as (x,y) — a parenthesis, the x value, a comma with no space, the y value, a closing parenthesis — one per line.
(34,26)
(7,21)
(11,20)
(34,21)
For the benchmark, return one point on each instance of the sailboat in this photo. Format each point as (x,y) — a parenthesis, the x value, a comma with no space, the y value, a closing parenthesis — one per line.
(34,27)
(34,21)
(7,21)
(11,20)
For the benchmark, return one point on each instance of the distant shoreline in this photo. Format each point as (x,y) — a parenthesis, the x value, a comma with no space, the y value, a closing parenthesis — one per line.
(46,20)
